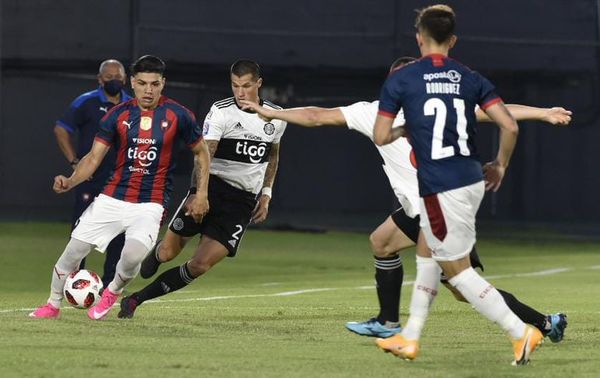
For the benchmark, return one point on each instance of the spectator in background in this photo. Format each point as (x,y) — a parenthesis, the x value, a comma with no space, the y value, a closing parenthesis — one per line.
(82,118)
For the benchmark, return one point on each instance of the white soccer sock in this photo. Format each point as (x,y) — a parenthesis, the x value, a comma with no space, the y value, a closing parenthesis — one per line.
(487,301)
(68,262)
(424,292)
(129,264)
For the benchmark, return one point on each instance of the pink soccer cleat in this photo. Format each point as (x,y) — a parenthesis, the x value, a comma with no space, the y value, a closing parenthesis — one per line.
(103,307)
(46,311)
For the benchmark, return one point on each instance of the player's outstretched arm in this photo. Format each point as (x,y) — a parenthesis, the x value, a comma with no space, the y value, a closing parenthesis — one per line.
(555,116)
(199,206)
(509,130)
(310,116)
(84,170)
(261,210)
(384,133)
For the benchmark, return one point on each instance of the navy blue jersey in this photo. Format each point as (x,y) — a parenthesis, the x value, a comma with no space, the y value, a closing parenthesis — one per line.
(146,146)
(82,117)
(438,96)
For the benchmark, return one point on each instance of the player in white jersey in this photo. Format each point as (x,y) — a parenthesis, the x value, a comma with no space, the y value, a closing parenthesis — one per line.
(401,229)
(245,155)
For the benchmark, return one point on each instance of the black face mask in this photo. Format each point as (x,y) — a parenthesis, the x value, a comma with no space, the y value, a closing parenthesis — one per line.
(113,87)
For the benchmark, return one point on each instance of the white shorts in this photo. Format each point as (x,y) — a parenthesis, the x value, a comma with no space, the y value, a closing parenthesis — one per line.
(108,217)
(448,221)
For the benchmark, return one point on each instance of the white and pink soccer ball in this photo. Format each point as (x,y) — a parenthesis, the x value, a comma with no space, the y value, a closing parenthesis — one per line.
(82,288)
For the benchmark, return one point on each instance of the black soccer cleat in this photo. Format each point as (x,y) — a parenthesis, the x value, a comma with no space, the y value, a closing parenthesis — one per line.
(150,264)
(128,306)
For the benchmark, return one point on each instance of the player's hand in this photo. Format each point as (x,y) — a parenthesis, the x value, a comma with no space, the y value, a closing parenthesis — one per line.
(493,173)
(261,210)
(558,116)
(197,206)
(262,112)
(61,184)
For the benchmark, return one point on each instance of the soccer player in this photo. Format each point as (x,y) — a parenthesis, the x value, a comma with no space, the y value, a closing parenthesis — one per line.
(245,156)
(400,230)
(145,132)
(83,118)
(438,96)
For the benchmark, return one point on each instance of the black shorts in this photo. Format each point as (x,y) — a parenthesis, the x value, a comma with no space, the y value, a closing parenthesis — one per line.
(410,227)
(226,221)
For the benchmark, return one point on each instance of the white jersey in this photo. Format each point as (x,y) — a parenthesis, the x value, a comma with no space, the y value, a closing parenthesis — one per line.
(396,156)
(245,141)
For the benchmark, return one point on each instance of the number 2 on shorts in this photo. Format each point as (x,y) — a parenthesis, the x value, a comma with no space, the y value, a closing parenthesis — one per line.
(236,235)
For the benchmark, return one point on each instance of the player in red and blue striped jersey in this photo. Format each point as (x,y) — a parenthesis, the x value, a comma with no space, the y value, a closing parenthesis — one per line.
(145,144)
(438,96)
(144,131)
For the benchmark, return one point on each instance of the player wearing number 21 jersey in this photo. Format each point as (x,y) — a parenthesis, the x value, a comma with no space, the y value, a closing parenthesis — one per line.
(438,96)
(440,119)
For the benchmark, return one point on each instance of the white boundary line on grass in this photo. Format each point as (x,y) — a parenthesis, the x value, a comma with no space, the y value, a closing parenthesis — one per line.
(281,294)
(316,290)
(532,274)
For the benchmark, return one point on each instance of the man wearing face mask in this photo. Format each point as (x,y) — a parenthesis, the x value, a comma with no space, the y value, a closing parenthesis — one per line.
(82,119)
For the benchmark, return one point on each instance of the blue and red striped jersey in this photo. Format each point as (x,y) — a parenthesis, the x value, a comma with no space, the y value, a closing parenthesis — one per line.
(146,146)
(438,96)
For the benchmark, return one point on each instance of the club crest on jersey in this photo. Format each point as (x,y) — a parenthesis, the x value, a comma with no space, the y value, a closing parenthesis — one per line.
(269,128)
(146,123)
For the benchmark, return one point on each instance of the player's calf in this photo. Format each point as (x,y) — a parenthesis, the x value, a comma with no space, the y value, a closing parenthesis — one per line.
(151,262)
(198,267)
(380,246)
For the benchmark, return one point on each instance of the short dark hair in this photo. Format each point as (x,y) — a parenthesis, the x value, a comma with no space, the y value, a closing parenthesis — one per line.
(148,63)
(243,67)
(437,21)
(401,62)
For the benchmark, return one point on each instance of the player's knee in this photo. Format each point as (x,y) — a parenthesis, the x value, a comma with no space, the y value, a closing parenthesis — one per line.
(198,267)
(379,245)
(457,295)
(129,259)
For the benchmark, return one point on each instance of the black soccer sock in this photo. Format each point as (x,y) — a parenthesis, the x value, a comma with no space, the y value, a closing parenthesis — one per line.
(389,274)
(169,281)
(526,313)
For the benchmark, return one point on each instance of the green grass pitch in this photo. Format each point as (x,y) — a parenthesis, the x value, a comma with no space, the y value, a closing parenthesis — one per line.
(279,308)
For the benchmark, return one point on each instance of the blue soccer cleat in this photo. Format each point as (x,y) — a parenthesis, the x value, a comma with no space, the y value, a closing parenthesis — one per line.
(559,323)
(374,329)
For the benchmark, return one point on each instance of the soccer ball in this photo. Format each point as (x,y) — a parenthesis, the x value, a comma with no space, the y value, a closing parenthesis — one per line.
(82,288)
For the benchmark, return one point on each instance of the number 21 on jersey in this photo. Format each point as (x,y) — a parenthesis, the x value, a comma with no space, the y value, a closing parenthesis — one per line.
(436,107)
